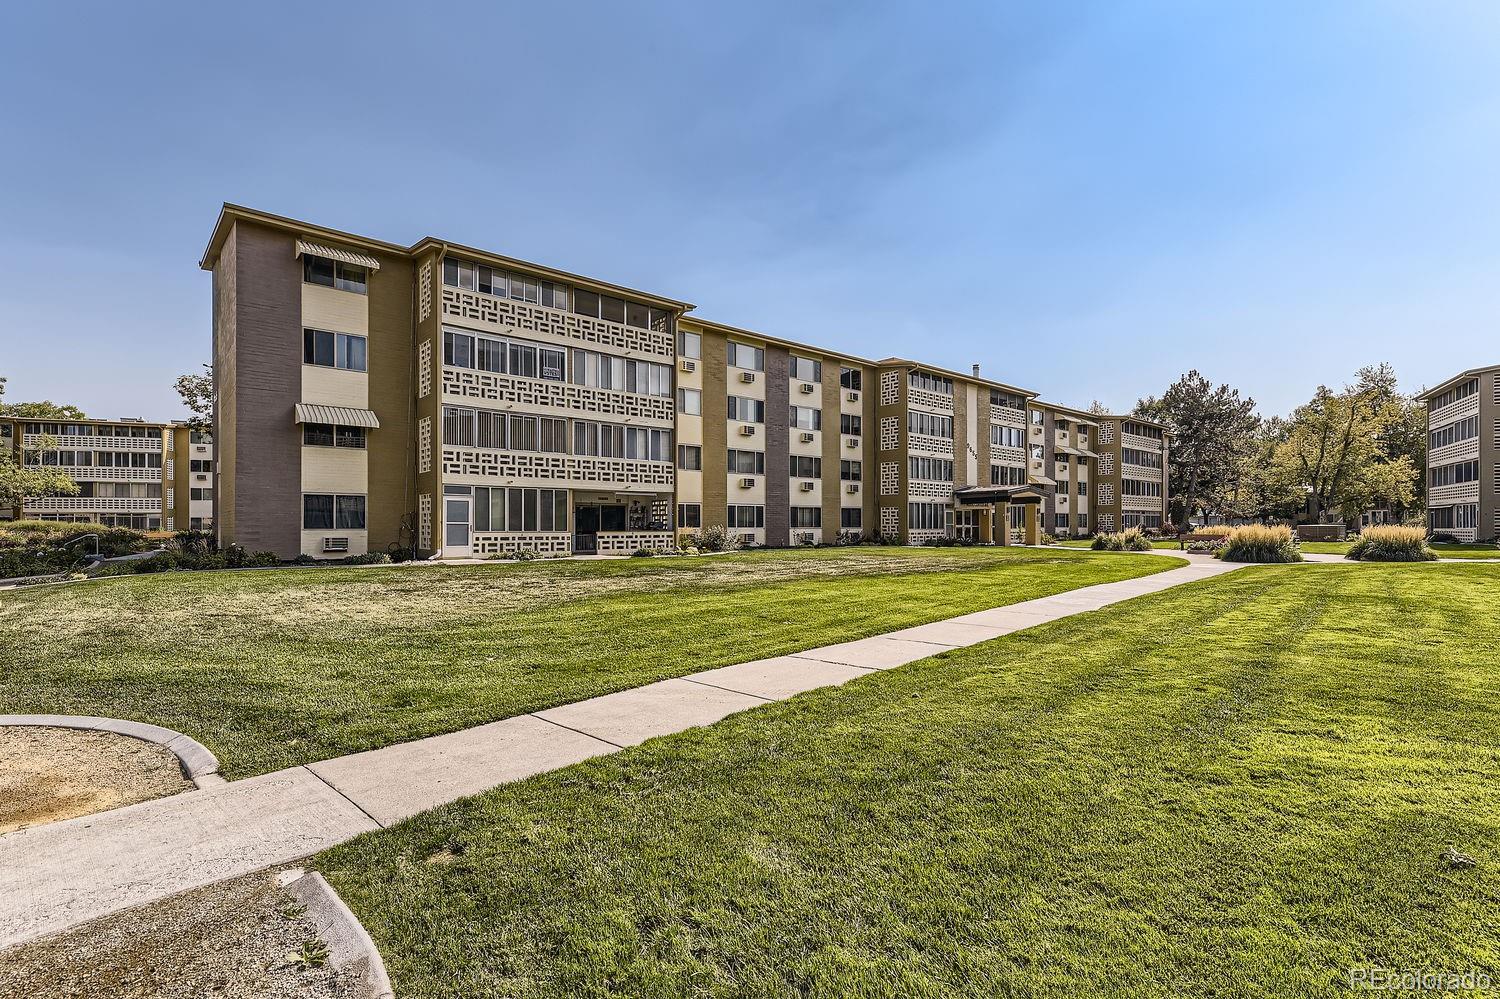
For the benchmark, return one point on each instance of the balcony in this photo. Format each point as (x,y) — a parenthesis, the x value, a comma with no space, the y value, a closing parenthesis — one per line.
(629,542)
(90,442)
(469,386)
(506,314)
(94,504)
(565,470)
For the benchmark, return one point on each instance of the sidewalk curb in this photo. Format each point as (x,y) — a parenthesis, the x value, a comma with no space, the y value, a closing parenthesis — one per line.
(348,943)
(198,764)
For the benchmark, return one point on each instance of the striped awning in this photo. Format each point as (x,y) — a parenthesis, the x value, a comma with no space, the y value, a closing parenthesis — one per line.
(334,253)
(1077,452)
(344,416)
(1041,480)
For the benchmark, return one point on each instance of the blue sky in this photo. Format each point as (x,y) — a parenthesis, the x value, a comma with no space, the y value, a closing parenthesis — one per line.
(1085,198)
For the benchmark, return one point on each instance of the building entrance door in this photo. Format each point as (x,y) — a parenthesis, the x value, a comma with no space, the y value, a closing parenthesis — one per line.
(456,540)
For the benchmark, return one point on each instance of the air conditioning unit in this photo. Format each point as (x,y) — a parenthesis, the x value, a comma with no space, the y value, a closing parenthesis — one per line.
(806,487)
(747,539)
(335,544)
(689,365)
(748,482)
(805,388)
(805,438)
(747,431)
(851,442)
(852,397)
(852,487)
(802,538)
(747,377)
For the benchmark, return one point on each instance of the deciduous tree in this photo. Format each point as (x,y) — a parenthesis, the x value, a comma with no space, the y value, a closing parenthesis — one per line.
(1212,435)
(197,393)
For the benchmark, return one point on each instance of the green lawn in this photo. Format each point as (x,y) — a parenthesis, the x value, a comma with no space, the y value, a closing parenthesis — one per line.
(1241,787)
(275,668)
(1443,551)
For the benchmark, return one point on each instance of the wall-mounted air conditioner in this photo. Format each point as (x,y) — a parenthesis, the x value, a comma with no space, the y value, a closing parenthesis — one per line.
(747,377)
(747,431)
(689,365)
(851,442)
(852,487)
(805,438)
(805,388)
(748,482)
(806,487)
(852,397)
(335,544)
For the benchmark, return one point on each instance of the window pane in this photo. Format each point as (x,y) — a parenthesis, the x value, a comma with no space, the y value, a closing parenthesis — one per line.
(317,270)
(560,509)
(611,308)
(317,512)
(585,303)
(353,354)
(531,511)
(350,278)
(317,434)
(637,315)
(351,513)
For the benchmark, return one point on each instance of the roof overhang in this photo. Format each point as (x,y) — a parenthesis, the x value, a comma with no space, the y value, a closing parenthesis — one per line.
(987,495)
(334,253)
(343,416)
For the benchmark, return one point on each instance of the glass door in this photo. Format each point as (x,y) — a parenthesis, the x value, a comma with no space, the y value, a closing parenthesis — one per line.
(456,526)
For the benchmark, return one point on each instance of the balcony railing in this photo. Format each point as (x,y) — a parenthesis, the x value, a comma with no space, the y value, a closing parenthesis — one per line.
(565,470)
(89,442)
(473,306)
(628,542)
(486,386)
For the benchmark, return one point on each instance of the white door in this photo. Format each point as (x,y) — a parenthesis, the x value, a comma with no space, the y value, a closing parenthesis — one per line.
(456,526)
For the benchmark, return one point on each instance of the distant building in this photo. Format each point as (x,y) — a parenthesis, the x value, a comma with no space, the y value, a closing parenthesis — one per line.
(1463,455)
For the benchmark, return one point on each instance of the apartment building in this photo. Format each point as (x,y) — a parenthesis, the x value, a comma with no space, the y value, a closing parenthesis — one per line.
(1463,455)
(1060,441)
(1131,474)
(130,473)
(461,402)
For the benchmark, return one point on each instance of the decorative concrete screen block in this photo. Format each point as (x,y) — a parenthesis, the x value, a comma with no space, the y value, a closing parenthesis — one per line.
(617,473)
(890,521)
(890,478)
(930,490)
(1106,464)
(1107,523)
(424,521)
(1106,492)
(930,400)
(472,305)
(629,542)
(549,543)
(424,369)
(890,433)
(1106,432)
(930,445)
(424,444)
(559,395)
(890,388)
(424,291)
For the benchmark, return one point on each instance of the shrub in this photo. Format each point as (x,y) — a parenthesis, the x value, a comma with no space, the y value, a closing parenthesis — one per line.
(1392,544)
(1215,530)
(643,553)
(194,543)
(160,562)
(1208,546)
(1442,538)
(400,554)
(1257,543)
(369,558)
(717,538)
(1131,539)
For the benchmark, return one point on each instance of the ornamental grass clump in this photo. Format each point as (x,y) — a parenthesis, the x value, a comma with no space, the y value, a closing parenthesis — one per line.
(1257,543)
(1392,544)
(1129,540)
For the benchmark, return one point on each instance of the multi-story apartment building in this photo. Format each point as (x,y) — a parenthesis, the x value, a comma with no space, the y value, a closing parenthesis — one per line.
(461,402)
(1131,474)
(1463,455)
(130,473)
(1068,464)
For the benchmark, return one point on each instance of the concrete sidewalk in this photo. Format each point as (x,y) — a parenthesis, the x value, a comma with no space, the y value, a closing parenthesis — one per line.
(56,876)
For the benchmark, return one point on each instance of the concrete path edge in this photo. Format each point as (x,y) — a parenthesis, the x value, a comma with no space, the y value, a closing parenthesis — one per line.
(198,764)
(349,944)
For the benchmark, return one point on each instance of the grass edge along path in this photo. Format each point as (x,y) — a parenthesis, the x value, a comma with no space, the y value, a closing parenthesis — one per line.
(1241,781)
(270,679)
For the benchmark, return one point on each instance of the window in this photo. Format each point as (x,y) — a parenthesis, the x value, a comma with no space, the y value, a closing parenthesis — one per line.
(323,512)
(1458,472)
(200,493)
(333,350)
(849,424)
(1083,488)
(1036,417)
(1465,429)
(931,469)
(1000,399)
(742,355)
(520,509)
(689,402)
(621,374)
(747,410)
(1036,452)
(924,382)
(926,516)
(747,517)
(317,434)
(200,437)
(690,457)
(930,424)
(550,294)
(349,437)
(807,516)
(1145,459)
(806,369)
(1007,436)
(1145,521)
(1141,430)
(851,471)
(806,467)
(194,465)
(1060,521)
(747,462)
(689,344)
(1008,475)
(334,274)
(610,440)
(1083,522)
(458,426)
(690,515)
(851,518)
(1456,393)
(851,378)
(804,418)
(1139,487)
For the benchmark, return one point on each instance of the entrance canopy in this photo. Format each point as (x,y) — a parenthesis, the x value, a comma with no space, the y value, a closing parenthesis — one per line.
(987,495)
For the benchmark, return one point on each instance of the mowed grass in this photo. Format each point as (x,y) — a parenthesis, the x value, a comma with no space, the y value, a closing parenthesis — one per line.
(1239,787)
(1458,551)
(280,667)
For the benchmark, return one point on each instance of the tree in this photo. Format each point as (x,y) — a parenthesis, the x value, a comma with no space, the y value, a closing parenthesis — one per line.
(1097,408)
(1405,433)
(1336,451)
(197,393)
(44,410)
(29,477)
(1212,435)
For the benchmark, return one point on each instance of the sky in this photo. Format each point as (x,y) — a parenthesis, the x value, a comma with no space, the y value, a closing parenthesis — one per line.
(1087,199)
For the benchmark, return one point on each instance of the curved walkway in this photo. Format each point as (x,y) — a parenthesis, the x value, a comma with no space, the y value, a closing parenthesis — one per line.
(56,876)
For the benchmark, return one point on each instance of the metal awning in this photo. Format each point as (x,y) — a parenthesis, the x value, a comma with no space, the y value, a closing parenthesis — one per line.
(986,495)
(334,253)
(344,416)
(1042,480)
(1077,452)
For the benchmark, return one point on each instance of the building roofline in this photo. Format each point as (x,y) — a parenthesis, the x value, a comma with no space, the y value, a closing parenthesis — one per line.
(1426,394)
(1079,415)
(125,422)
(728,330)
(968,377)
(230,213)
(1139,419)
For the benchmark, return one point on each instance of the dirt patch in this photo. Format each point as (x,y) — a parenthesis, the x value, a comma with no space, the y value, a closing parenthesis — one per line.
(246,939)
(47,774)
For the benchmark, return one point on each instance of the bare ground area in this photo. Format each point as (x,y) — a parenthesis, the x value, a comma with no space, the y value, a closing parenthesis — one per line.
(47,774)
(246,939)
